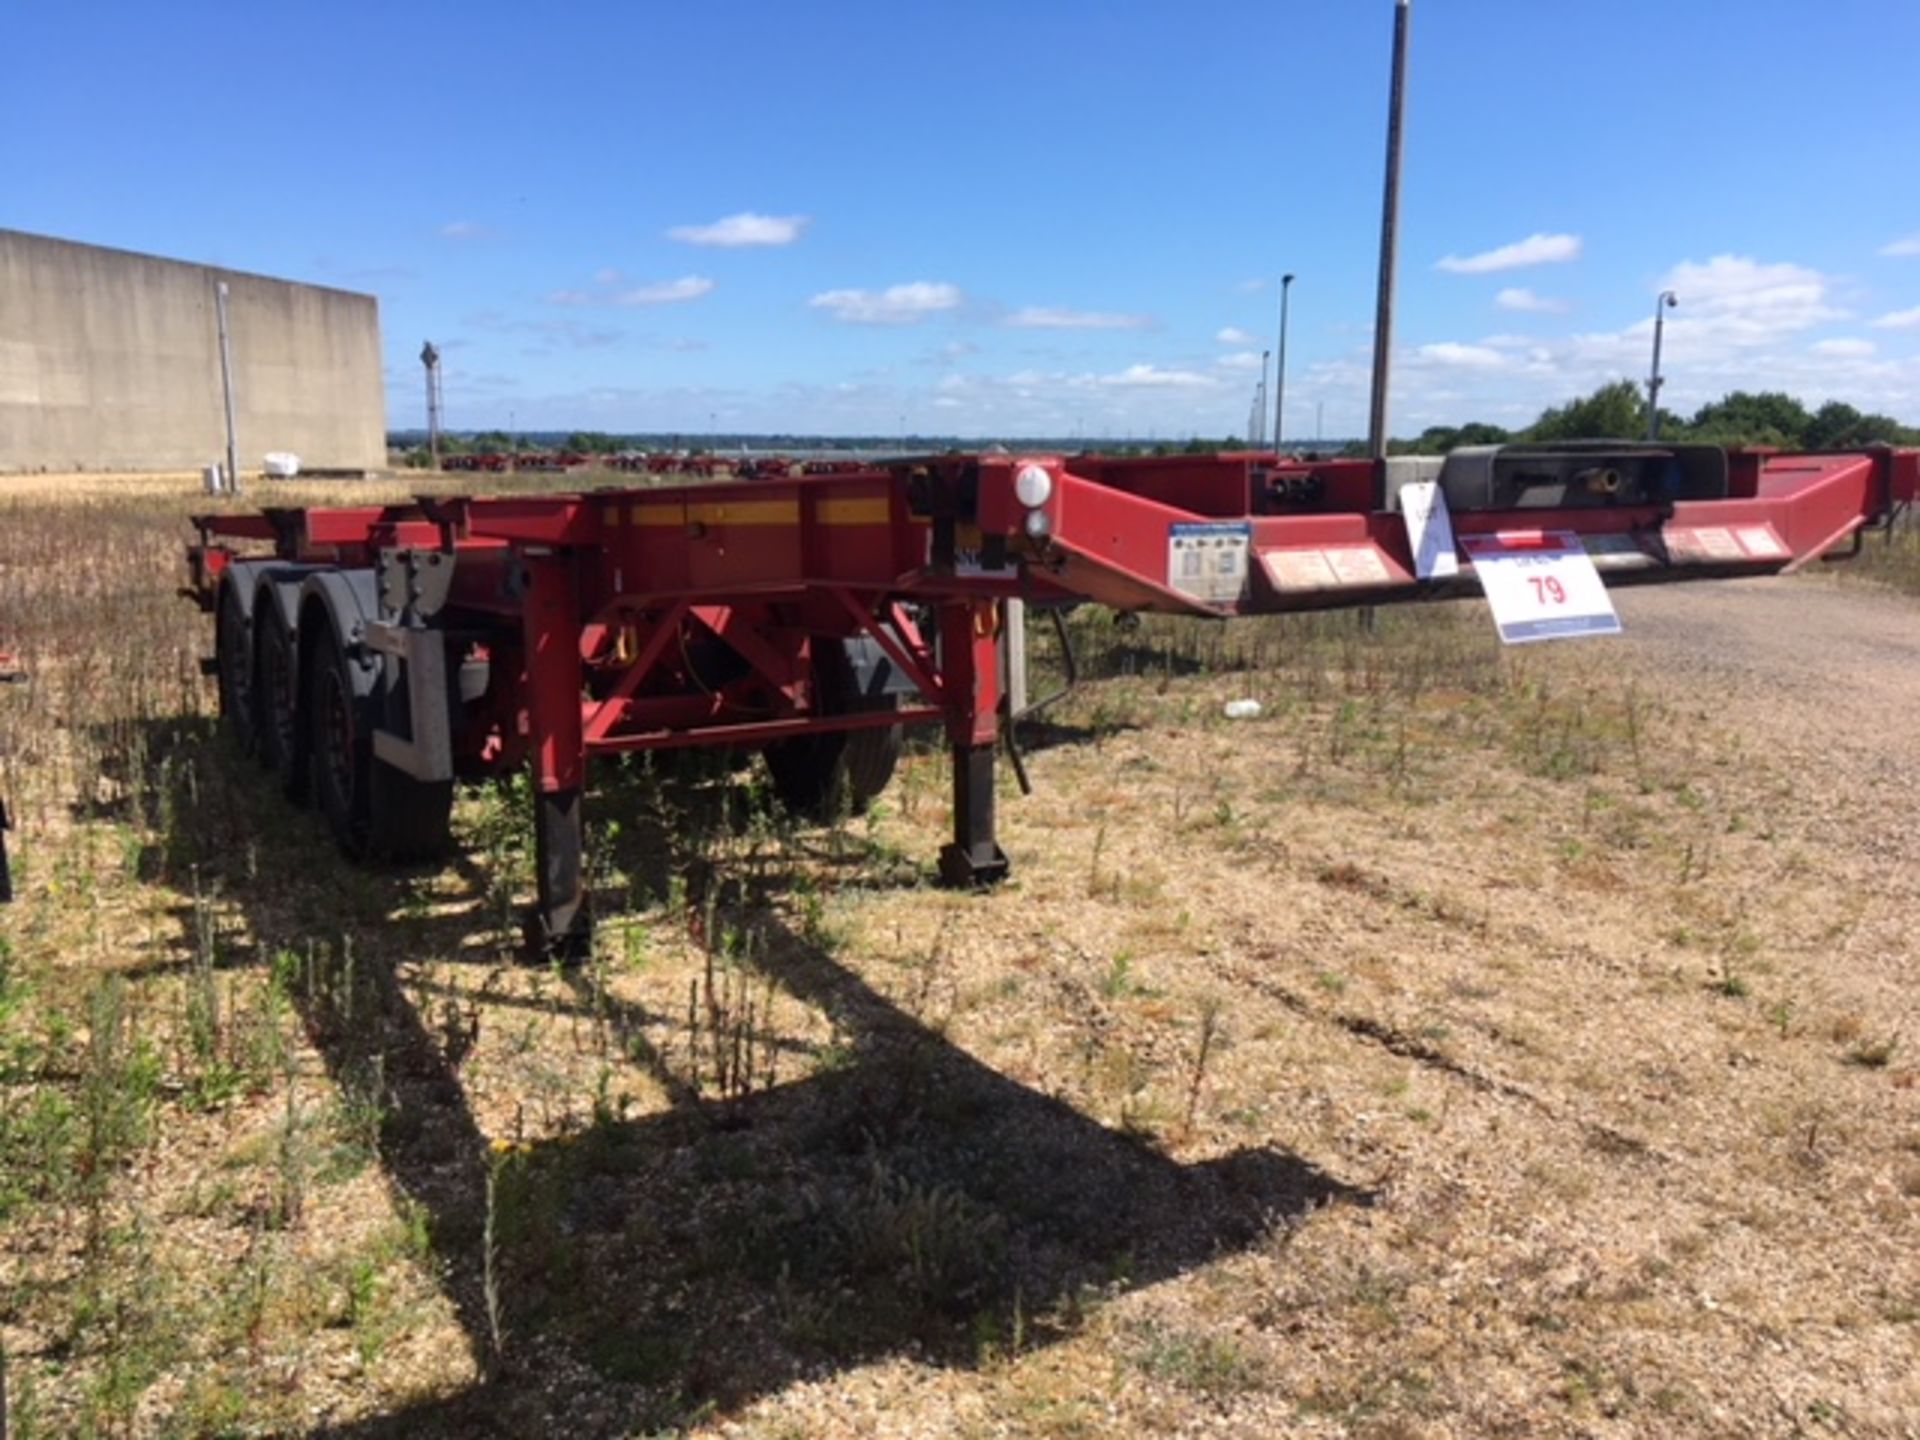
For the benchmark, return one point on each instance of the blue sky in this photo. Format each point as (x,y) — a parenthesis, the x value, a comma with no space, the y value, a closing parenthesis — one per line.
(1010,219)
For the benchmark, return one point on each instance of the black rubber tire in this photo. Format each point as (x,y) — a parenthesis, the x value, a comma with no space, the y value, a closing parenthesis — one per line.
(340,745)
(374,811)
(412,819)
(233,650)
(827,777)
(281,739)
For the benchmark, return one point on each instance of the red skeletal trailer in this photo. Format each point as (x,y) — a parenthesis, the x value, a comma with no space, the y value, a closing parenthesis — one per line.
(373,656)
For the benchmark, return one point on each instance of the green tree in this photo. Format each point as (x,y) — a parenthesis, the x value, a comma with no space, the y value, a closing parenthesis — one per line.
(1836,425)
(1439,439)
(1479,432)
(1743,417)
(1613,412)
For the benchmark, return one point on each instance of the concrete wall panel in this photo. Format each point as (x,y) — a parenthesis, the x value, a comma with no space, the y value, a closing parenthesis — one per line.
(111,361)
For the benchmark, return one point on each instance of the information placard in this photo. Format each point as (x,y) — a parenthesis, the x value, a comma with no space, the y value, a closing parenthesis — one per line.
(1208,561)
(1423,505)
(1541,587)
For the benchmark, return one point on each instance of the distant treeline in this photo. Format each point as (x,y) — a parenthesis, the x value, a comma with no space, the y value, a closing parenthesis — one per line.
(1617,411)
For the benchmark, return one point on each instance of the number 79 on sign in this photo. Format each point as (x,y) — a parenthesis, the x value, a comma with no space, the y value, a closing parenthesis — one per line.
(1541,587)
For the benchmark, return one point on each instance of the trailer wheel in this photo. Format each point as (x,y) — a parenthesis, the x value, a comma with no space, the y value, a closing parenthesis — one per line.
(821,777)
(275,666)
(234,653)
(412,819)
(339,744)
(374,810)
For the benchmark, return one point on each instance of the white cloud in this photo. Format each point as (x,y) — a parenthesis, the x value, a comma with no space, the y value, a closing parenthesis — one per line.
(746,228)
(1234,335)
(463,230)
(944,357)
(666,292)
(1741,301)
(661,292)
(1153,377)
(1240,360)
(1742,324)
(1904,247)
(1252,287)
(1471,357)
(1534,250)
(896,305)
(1047,317)
(1522,299)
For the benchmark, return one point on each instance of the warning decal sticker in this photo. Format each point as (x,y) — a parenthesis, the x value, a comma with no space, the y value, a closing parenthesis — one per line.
(1208,562)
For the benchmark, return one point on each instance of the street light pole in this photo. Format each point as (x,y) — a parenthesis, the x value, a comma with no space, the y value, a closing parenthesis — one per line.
(1259,436)
(1666,301)
(430,358)
(1389,235)
(226,387)
(1280,371)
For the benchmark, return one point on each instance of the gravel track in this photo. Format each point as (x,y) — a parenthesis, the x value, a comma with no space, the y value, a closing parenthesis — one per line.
(1823,676)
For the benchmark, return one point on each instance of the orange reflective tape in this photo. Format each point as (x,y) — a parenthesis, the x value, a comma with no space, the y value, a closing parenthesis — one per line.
(876,511)
(746,512)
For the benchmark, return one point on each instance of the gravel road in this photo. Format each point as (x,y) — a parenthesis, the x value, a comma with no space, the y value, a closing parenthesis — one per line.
(1823,676)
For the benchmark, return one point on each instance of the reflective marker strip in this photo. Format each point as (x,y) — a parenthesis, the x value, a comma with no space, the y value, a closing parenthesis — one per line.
(720,512)
(1332,567)
(875,511)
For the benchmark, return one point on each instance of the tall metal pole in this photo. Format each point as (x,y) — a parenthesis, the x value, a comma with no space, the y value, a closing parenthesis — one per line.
(1666,301)
(226,387)
(1280,373)
(1389,235)
(430,358)
(1259,436)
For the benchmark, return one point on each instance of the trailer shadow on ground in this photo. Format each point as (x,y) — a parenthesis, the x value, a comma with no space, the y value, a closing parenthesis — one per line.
(902,1199)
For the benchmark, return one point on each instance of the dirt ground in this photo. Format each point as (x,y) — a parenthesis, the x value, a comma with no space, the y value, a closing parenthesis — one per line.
(1477,1043)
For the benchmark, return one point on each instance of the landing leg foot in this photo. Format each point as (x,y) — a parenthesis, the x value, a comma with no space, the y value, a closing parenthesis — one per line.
(974,859)
(561,925)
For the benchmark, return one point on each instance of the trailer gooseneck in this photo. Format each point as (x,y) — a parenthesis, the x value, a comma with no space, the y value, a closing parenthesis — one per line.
(373,656)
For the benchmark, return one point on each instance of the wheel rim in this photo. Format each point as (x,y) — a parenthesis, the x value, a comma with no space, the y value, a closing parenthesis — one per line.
(236,675)
(336,742)
(276,676)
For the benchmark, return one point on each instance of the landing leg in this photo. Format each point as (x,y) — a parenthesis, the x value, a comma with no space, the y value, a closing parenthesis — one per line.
(970,661)
(974,858)
(561,925)
(562,920)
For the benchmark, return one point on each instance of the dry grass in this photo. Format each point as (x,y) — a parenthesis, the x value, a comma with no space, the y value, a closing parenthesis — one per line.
(1893,558)
(1477,1043)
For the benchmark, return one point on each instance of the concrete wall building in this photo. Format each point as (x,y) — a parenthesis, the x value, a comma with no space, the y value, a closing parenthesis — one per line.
(111,361)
